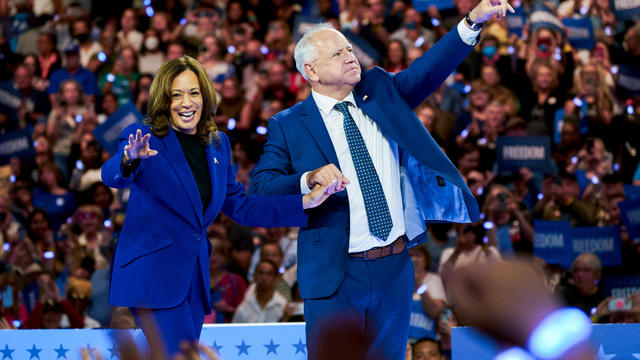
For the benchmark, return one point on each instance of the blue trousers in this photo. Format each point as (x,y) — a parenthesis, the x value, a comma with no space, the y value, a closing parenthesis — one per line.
(374,298)
(179,323)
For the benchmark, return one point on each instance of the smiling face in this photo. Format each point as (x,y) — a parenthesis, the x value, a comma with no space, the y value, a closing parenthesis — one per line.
(186,102)
(336,70)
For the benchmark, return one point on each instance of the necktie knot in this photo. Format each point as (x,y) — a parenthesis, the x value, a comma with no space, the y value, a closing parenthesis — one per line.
(343,107)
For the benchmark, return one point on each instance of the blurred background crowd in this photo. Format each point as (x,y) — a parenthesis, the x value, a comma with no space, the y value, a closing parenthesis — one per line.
(67,65)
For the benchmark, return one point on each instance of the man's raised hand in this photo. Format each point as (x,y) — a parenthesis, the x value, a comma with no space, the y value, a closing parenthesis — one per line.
(487,8)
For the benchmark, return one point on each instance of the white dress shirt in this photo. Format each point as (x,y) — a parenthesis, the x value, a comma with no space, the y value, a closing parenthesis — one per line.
(384,154)
(249,310)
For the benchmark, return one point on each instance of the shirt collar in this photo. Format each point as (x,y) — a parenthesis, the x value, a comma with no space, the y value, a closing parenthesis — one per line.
(326,103)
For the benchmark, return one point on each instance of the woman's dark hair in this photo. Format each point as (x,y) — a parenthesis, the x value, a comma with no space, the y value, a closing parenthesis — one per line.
(160,99)
(30,218)
(427,257)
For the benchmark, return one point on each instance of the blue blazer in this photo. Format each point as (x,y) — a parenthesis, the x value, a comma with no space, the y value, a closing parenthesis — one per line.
(165,228)
(432,188)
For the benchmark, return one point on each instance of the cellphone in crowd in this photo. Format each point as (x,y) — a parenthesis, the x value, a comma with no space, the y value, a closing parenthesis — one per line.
(7,297)
(620,304)
(446,315)
(502,198)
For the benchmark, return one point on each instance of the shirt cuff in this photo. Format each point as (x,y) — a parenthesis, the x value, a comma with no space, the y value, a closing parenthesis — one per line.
(304,188)
(467,35)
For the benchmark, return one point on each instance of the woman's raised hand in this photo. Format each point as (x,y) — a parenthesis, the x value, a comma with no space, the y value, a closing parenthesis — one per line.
(138,147)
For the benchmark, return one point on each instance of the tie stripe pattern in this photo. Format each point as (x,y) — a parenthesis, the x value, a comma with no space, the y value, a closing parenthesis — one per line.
(376,205)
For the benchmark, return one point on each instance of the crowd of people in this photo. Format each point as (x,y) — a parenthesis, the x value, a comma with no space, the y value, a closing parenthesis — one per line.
(67,66)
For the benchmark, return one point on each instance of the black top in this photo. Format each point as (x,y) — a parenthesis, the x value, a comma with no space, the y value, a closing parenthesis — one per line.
(196,156)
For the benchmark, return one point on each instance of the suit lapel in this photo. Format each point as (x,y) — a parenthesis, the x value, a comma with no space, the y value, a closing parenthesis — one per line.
(312,120)
(178,163)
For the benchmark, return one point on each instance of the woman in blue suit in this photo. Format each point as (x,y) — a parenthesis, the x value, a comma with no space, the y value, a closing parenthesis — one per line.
(178,168)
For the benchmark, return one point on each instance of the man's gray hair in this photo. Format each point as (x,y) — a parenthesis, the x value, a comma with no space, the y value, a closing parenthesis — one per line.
(305,51)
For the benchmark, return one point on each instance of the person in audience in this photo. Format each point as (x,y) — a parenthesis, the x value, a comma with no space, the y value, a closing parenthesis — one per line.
(262,303)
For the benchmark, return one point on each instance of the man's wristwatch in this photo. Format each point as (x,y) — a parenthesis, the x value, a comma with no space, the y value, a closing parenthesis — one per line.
(473,25)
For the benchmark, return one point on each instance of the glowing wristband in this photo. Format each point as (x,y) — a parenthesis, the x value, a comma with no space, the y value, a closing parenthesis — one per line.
(422,289)
(558,332)
(514,353)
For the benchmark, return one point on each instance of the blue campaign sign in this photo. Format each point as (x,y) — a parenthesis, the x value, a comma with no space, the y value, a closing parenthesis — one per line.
(365,53)
(108,132)
(516,21)
(626,9)
(16,143)
(552,242)
(558,122)
(302,23)
(631,192)
(515,152)
(628,84)
(609,341)
(630,213)
(10,100)
(423,5)
(605,242)
(580,33)
(542,17)
(621,286)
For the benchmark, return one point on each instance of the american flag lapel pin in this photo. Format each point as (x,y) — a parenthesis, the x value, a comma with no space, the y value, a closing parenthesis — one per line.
(215,160)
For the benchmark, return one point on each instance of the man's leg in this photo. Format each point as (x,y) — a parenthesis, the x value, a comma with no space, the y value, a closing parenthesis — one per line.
(332,321)
(389,310)
(372,305)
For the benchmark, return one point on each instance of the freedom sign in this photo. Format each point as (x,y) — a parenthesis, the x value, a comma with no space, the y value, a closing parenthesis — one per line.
(630,213)
(605,242)
(552,242)
(364,52)
(302,23)
(628,84)
(626,9)
(108,133)
(516,21)
(580,33)
(16,143)
(542,17)
(515,152)
(621,286)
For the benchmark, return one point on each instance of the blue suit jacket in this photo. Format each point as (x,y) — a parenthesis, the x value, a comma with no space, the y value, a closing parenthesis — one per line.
(165,228)
(432,188)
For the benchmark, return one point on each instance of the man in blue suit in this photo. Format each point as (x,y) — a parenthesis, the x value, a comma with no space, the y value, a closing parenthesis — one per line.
(360,130)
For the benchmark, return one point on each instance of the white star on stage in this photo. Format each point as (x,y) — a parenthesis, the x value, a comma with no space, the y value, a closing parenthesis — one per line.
(602,356)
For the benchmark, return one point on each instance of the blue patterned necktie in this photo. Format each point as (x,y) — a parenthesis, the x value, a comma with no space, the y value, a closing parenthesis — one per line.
(378,214)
